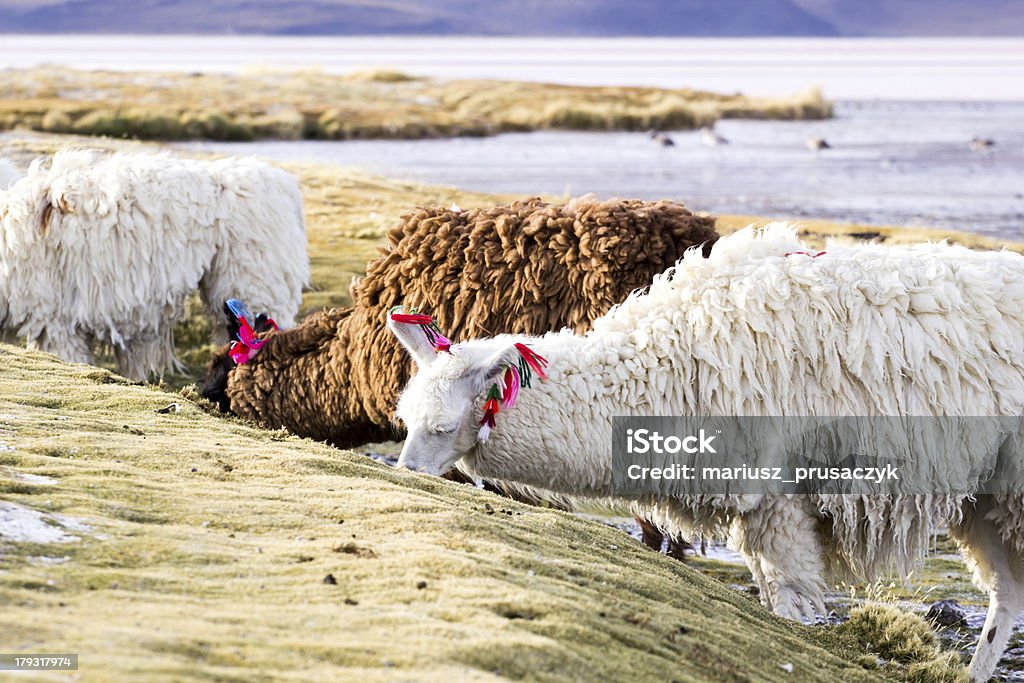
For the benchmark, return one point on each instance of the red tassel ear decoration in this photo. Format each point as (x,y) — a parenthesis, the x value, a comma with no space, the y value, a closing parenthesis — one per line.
(430,329)
(536,362)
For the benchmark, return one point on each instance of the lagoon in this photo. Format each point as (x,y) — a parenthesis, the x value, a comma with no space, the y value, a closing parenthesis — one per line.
(892,163)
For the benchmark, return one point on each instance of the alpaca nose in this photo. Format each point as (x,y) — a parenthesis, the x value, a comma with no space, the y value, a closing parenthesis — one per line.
(410,462)
(418,462)
(405,463)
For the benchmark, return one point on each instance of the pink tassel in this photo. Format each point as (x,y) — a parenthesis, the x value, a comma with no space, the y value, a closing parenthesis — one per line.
(505,391)
(241,353)
(511,387)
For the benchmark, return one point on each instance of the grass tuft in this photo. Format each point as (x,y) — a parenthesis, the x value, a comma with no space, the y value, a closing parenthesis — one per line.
(905,642)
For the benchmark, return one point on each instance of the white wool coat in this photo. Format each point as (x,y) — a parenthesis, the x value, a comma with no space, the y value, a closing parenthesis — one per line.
(8,174)
(929,329)
(98,249)
(756,330)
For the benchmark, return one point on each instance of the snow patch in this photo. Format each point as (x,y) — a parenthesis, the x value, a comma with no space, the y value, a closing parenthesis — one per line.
(25,525)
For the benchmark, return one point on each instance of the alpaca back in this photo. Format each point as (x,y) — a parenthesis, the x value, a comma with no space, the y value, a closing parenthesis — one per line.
(928,329)
(528,268)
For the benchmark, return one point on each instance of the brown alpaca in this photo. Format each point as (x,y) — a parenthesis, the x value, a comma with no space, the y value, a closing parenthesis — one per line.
(528,267)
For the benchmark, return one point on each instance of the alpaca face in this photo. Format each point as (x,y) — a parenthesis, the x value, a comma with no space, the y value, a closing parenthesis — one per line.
(439,404)
(436,408)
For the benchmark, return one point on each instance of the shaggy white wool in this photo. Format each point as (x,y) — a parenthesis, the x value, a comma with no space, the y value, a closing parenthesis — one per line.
(98,249)
(8,174)
(866,330)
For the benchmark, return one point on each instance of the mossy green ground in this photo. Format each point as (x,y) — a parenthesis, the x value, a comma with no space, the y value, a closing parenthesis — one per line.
(211,540)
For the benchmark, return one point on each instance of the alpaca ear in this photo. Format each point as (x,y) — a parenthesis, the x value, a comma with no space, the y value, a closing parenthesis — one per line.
(487,371)
(230,322)
(414,340)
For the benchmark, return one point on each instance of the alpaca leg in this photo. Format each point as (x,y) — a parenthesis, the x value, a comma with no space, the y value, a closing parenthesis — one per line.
(65,344)
(152,354)
(650,534)
(999,569)
(780,542)
(679,548)
(754,565)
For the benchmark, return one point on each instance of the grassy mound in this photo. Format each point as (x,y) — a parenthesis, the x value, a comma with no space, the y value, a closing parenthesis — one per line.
(377,104)
(210,543)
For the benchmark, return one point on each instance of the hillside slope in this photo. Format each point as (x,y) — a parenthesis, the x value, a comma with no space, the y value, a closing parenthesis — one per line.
(208,543)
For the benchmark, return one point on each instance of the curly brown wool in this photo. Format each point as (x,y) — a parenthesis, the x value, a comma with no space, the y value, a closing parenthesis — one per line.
(528,267)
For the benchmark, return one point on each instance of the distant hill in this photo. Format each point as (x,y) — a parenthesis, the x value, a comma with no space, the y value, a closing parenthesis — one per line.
(520,17)
(920,17)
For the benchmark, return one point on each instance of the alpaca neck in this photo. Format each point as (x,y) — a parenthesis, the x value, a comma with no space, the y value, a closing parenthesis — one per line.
(559,434)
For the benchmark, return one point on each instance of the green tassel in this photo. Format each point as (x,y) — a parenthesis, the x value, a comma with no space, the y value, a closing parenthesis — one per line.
(525,373)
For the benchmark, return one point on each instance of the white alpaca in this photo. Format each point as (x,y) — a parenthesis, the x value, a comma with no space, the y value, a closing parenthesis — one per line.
(98,249)
(929,329)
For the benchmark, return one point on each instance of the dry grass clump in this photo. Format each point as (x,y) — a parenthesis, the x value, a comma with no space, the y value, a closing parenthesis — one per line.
(371,104)
(905,642)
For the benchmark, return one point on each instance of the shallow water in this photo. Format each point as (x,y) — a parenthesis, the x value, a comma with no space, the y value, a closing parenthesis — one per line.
(900,163)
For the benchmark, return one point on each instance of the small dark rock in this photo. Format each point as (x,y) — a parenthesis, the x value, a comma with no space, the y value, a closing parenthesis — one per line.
(330,580)
(195,469)
(682,630)
(350,601)
(303,558)
(421,585)
(947,613)
(353,549)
